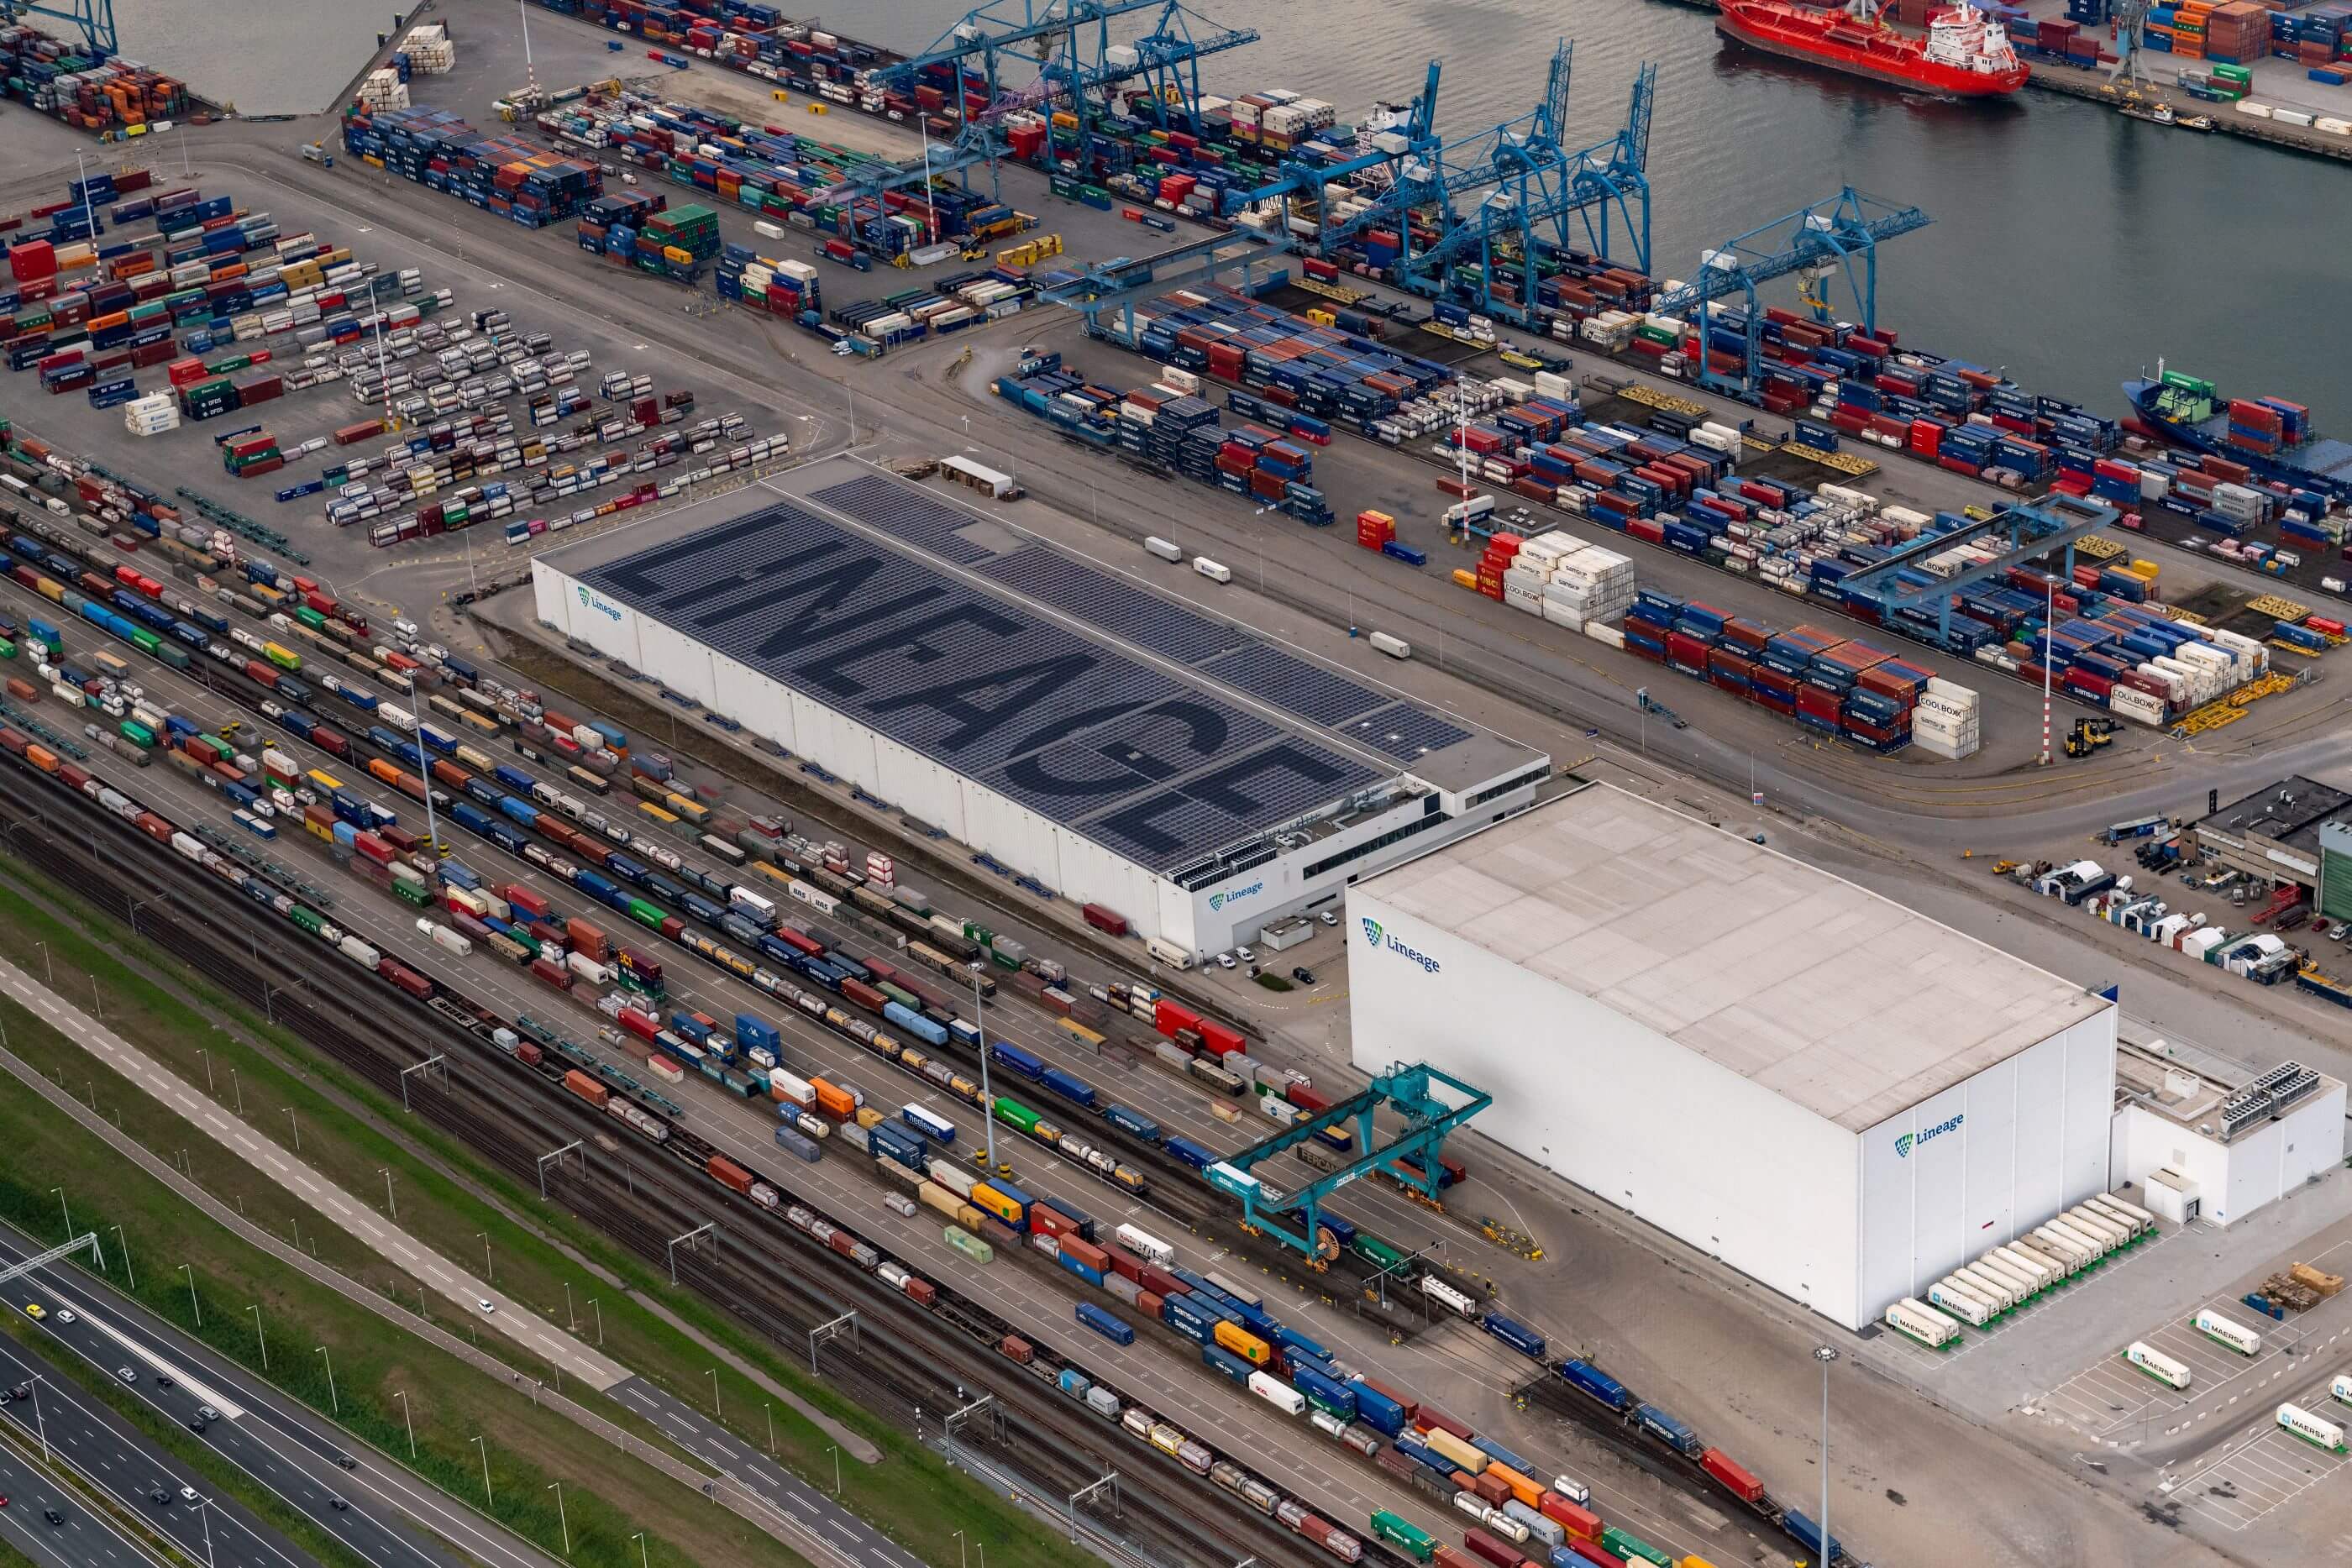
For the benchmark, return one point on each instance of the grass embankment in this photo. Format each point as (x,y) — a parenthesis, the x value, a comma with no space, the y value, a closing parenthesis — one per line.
(352,1135)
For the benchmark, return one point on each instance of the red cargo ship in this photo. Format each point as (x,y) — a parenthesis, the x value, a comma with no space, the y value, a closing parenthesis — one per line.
(1966,54)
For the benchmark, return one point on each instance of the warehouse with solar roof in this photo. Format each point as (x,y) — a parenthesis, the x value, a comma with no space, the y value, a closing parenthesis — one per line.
(1121,748)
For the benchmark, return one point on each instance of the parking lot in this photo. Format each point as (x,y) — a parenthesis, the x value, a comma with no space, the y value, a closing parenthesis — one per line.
(2114,1405)
(2263,1468)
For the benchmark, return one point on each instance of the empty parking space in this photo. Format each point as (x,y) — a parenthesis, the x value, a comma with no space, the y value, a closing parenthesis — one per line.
(2261,1467)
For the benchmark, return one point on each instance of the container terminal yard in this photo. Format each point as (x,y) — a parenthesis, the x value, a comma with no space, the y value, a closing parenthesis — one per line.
(807,658)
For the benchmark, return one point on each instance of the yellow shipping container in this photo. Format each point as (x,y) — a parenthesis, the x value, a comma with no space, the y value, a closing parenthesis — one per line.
(1472,1459)
(1468,580)
(868,1118)
(2145,567)
(1241,1343)
(991,1201)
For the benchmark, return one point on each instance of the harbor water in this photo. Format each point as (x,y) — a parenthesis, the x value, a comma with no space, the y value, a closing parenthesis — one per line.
(2070,245)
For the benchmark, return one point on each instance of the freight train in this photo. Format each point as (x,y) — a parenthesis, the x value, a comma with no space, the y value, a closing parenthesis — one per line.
(1227,1326)
(455,767)
(504,1037)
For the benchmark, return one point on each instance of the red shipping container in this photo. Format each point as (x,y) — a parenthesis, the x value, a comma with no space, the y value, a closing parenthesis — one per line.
(1493,1549)
(1581,1523)
(1720,1465)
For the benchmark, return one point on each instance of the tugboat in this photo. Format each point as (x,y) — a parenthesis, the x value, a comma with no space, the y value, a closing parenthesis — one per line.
(2165,114)
(1966,53)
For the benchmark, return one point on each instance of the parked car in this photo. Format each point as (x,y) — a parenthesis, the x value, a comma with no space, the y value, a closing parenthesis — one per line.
(1302,974)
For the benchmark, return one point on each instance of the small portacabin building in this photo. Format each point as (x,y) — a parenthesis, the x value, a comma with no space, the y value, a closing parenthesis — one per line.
(1825,1090)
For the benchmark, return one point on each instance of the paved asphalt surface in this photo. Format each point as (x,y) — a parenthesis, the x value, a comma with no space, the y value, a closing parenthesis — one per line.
(269,1436)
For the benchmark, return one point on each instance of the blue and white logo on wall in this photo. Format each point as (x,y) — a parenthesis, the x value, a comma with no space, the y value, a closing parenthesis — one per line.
(593,602)
(1905,1143)
(1379,938)
(1219,900)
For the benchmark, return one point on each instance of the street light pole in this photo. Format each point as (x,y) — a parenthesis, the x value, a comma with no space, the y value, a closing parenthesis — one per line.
(987,1098)
(64,1207)
(255,1311)
(203,1512)
(600,1319)
(406,1420)
(1825,1354)
(294,1122)
(391,1206)
(124,1242)
(334,1403)
(642,1561)
(557,1487)
(489,1267)
(486,1498)
(714,1396)
(194,1305)
(41,1427)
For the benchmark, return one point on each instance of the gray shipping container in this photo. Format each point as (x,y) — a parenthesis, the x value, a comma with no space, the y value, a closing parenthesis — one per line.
(1103,1403)
(1172,1055)
(856,1136)
(793,1143)
(1124,1289)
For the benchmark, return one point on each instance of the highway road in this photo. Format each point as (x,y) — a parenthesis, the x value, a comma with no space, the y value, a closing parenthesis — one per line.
(131,1468)
(386,1512)
(79,1538)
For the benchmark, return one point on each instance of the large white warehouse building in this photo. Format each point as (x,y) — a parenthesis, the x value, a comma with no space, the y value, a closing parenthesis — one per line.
(1121,747)
(1829,1091)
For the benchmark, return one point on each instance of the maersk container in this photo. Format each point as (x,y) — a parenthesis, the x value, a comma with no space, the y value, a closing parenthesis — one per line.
(1948,1296)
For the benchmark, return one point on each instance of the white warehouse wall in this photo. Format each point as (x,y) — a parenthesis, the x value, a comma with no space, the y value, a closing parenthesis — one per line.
(1616,1106)
(971,813)
(1986,1160)
(2235,1178)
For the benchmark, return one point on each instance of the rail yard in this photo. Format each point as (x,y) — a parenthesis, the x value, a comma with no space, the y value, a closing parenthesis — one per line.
(764,633)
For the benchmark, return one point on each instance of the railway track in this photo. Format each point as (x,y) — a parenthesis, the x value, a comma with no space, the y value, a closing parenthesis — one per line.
(634,1196)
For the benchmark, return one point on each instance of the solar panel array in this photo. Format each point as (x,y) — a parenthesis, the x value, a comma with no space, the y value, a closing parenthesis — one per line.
(1293,684)
(1128,613)
(1156,768)
(904,513)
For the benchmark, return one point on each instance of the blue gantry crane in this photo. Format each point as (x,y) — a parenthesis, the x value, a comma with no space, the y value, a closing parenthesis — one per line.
(1411,1093)
(93,18)
(2026,532)
(1544,197)
(1116,285)
(1037,54)
(1818,243)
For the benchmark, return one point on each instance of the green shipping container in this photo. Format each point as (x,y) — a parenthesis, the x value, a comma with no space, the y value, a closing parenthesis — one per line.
(173,654)
(7,649)
(410,892)
(1632,1548)
(137,734)
(146,641)
(1015,1114)
(308,920)
(645,914)
(965,1243)
(310,618)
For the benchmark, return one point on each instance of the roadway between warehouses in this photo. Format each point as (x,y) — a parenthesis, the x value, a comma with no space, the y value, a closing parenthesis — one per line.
(749,1483)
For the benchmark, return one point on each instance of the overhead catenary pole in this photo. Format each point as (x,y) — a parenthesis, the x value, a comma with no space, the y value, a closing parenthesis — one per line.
(988,1107)
(2050,594)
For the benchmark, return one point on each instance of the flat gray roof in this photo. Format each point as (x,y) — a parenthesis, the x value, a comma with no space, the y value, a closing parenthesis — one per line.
(1160,731)
(1833,997)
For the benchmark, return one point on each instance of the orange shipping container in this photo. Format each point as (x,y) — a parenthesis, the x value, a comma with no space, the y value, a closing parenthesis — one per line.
(1525,1490)
(834,1101)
